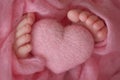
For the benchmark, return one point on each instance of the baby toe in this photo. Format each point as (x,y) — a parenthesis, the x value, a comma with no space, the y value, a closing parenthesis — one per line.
(91,20)
(84,15)
(28,19)
(73,15)
(98,25)
(23,40)
(101,35)
(23,51)
(24,30)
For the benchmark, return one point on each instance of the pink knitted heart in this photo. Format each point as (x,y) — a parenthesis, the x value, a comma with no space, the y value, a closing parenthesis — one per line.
(62,47)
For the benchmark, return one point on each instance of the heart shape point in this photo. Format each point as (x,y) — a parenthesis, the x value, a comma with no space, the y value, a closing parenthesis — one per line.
(62,47)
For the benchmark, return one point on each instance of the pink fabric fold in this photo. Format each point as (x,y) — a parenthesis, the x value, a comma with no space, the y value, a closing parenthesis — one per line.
(61,50)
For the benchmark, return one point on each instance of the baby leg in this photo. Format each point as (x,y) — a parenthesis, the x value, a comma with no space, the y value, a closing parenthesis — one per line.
(23,36)
(92,22)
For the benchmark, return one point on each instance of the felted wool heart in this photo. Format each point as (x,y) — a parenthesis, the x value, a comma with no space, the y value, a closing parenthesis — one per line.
(63,48)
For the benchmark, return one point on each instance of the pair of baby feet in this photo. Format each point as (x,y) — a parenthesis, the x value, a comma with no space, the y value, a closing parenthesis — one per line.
(92,22)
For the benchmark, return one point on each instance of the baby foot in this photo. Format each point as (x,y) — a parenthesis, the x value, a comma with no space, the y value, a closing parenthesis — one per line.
(92,22)
(23,37)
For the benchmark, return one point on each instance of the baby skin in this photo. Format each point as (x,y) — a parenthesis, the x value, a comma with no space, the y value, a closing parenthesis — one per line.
(90,21)
(23,36)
